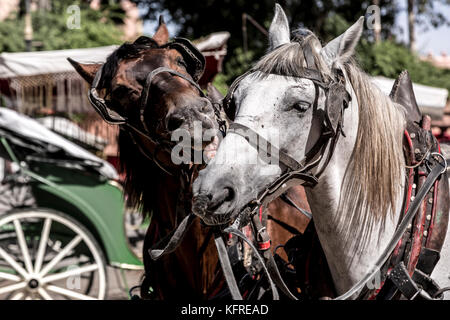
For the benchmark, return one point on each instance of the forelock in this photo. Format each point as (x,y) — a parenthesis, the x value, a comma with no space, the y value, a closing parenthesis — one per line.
(289,59)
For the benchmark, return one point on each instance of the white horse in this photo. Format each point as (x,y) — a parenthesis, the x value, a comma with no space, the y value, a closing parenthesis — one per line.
(357,202)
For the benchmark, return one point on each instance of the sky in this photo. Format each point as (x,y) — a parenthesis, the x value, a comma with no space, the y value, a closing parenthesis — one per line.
(435,41)
(432,40)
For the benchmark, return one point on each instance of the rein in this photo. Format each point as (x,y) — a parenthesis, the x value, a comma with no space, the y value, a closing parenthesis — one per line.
(298,173)
(438,168)
(112,117)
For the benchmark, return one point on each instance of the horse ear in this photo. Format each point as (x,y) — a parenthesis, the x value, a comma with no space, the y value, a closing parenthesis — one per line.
(161,35)
(86,70)
(342,48)
(279,29)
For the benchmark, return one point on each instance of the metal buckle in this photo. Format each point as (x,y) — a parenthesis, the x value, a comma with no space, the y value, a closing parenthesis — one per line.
(440,155)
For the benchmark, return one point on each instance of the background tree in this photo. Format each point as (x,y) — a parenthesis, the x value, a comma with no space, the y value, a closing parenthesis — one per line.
(327,18)
(97,28)
(424,13)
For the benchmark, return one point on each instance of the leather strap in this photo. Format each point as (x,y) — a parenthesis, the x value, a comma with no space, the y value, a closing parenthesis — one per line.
(409,215)
(428,259)
(262,236)
(289,201)
(258,141)
(148,83)
(400,277)
(226,267)
(426,283)
(170,242)
(239,234)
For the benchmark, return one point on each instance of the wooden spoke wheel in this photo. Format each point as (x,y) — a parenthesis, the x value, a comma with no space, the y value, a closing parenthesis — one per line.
(45,254)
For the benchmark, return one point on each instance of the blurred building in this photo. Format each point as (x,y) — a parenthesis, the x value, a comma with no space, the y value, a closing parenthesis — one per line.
(441,127)
(442,61)
(7,7)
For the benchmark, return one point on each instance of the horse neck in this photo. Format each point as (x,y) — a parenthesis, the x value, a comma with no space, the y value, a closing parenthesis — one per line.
(350,252)
(196,259)
(168,192)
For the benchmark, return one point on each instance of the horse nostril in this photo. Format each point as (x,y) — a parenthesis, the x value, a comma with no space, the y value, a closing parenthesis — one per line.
(230,195)
(225,195)
(174,123)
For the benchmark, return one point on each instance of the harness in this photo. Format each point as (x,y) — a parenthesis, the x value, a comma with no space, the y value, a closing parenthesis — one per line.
(195,67)
(154,148)
(403,277)
(326,135)
(294,172)
(407,267)
(408,270)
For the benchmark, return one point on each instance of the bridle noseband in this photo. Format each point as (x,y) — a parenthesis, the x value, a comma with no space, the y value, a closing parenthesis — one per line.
(195,68)
(299,172)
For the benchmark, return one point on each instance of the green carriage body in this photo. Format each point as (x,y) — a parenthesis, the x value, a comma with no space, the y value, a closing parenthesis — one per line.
(94,201)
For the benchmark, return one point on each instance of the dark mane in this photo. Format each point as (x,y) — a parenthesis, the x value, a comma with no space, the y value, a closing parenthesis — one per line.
(139,170)
(125,51)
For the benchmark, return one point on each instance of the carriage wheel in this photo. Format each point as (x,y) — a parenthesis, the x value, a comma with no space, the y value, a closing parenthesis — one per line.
(45,254)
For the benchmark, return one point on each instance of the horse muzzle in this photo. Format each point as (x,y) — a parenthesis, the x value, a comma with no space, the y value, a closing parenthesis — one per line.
(215,209)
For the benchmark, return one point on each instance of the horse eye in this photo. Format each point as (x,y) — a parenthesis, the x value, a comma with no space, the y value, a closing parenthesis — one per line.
(181,62)
(301,106)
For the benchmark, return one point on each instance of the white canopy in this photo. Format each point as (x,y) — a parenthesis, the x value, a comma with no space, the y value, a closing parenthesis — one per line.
(44,62)
(70,129)
(213,41)
(427,97)
(28,127)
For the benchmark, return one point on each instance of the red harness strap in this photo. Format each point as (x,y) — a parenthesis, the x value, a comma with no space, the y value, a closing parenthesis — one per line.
(266,244)
(416,239)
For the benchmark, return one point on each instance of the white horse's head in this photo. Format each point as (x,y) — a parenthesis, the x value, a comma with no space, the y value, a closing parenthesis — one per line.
(282,105)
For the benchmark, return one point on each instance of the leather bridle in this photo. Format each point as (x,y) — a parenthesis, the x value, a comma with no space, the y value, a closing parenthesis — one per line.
(300,172)
(196,68)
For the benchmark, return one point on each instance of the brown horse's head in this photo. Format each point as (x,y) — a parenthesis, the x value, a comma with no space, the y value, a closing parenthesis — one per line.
(173,103)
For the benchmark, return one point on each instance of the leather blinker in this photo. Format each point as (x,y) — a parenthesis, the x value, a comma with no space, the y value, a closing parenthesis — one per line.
(337,100)
(195,67)
(194,58)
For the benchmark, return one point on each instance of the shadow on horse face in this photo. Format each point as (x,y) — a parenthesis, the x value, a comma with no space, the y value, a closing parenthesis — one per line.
(173,103)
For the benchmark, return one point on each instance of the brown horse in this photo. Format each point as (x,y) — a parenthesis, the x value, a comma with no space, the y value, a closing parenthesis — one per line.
(192,270)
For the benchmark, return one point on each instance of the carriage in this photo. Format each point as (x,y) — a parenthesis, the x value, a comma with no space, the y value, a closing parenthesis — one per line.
(62,216)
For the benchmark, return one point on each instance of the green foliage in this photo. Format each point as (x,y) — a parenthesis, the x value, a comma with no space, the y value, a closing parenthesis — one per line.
(97,28)
(388,59)
(334,25)
(220,83)
(11,36)
(238,63)
(199,18)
